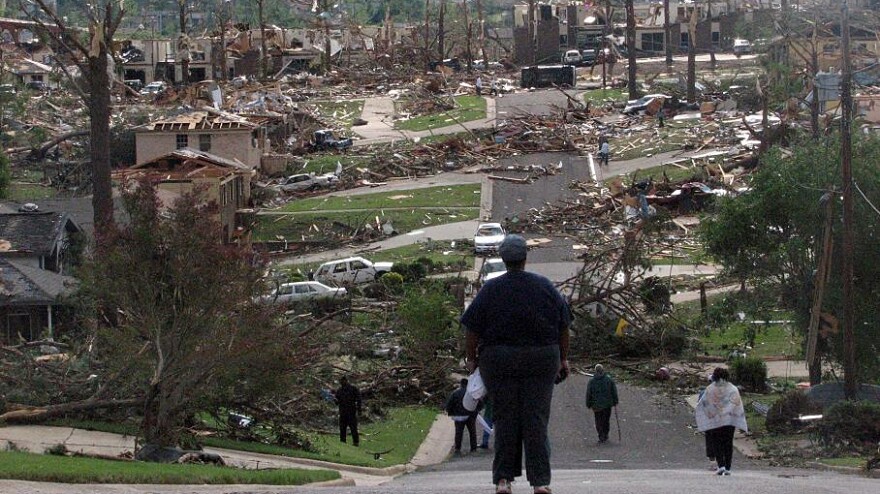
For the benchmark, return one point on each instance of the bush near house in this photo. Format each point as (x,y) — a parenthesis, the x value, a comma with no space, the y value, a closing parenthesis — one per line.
(851,426)
(790,406)
(750,373)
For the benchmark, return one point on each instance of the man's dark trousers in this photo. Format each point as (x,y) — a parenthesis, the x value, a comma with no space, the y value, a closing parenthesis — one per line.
(520,385)
(603,423)
(471,424)
(349,421)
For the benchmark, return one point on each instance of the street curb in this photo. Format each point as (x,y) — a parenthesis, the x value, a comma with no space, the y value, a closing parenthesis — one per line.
(332,483)
(817,465)
(378,472)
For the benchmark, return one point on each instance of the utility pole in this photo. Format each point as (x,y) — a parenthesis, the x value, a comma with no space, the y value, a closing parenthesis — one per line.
(667,35)
(849,348)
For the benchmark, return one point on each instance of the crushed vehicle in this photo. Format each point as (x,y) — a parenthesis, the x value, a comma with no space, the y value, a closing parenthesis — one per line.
(351,270)
(325,139)
(299,291)
(488,237)
(646,103)
(307,181)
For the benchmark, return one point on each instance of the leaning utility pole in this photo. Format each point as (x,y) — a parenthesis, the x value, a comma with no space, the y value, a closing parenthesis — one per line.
(849,349)
(631,49)
(667,34)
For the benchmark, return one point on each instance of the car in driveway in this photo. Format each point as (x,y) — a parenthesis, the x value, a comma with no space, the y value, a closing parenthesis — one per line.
(742,47)
(571,57)
(488,237)
(636,105)
(492,268)
(351,271)
(307,181)
(299,291)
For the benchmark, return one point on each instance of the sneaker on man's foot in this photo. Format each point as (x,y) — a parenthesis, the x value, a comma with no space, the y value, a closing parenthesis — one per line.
(720,471)
(726,472)
(503,487)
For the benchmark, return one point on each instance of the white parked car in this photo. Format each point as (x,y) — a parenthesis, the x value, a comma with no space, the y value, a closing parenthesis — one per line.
(571,57)
(491,269)
(307,181)
(300,291)
(352,270)
(153,88)
(742,47)
(488,238)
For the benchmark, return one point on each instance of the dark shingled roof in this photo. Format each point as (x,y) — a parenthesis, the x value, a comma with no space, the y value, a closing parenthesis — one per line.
(35,233)
(21,284)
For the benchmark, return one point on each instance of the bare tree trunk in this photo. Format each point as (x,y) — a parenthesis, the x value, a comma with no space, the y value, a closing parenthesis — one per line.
(427,53)
(264,51)
(482,38)
(533,47)
(182,43)
(631,49)
(712,62)
(814,69)
(327,45)
(441,30)
(667,35)
(222,19)
(469,32)
(692,58)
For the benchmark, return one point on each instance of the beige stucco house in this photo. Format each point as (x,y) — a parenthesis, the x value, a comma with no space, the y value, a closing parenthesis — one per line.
(221,134)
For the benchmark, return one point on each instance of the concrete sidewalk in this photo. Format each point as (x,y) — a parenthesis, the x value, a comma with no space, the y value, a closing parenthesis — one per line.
(379,115)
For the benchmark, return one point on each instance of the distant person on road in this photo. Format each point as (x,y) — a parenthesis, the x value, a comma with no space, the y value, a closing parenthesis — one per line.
(517,332)
(479,86)
(462,417)
(719,413)
(601,398)
(604,153)
(348,398)
(494,87)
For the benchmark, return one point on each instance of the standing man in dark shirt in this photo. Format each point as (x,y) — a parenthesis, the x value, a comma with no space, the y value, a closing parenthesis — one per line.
(517,332)
(349,400)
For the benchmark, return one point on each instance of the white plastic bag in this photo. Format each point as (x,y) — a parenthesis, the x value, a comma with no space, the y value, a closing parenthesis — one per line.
(476,390)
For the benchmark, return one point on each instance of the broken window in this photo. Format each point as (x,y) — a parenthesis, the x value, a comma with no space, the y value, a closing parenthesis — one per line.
(340,268)
(204,142)
(182,141)
(685,40)
(652,41)
(285,290)
(716,40)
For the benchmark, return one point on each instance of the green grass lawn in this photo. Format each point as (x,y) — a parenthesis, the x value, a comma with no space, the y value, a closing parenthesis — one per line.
(403,429)
(29,192)
(466,195)
(602,96)
(344,112)
(771,340)
(294,226)
(437,251)
(467,108)
(849,461)
(76,470)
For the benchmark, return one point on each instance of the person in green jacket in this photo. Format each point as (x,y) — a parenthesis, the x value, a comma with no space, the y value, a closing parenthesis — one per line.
(601,398)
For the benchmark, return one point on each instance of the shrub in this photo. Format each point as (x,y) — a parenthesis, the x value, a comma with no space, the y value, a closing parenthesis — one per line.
(790,406)
(410,271)
(750,373)
(851,425)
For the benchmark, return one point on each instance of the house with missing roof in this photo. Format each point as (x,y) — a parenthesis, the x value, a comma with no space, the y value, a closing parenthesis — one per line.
(37,249)
(220,134)
(225,182)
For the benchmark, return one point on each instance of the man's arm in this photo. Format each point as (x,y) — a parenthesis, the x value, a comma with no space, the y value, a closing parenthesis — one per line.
(472,341)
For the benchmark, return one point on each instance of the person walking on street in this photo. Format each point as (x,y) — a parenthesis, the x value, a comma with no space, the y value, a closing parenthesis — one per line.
(719,413)
(710,446)
(462,417)
(479,86)
(601,398)
(348,398)
(517,333)
(604,153)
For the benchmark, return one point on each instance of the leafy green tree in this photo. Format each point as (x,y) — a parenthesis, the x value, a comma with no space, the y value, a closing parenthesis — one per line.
(774,232)
(175,315)
(427,315)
